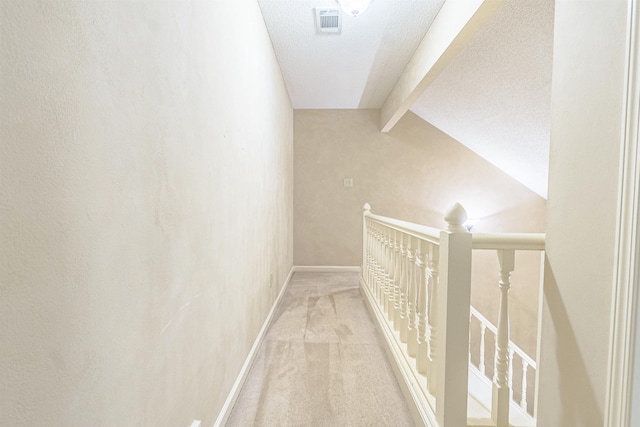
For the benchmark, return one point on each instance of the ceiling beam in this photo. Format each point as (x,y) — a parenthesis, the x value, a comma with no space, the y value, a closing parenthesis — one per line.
(454,26)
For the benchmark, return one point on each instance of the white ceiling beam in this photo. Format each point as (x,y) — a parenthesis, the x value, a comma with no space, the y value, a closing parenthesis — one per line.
(452,29)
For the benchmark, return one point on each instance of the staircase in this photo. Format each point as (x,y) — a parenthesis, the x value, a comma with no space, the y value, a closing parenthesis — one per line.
(416,282)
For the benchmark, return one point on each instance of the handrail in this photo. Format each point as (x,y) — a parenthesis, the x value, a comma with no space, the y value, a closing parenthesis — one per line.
(424,232)
(524,356)
(507,241)
(420,292)
(496,241)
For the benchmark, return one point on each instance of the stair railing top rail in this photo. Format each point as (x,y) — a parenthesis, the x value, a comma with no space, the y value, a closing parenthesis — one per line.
(495,241)
(509,241)
(423,232)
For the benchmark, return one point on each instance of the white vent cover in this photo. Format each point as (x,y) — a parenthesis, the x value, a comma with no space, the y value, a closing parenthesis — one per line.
(328,20)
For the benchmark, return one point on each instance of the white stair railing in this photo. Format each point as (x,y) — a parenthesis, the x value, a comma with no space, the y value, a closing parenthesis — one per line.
(416,281)
(515,352)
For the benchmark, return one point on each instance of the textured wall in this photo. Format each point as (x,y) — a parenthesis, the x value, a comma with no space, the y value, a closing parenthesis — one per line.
(146,165)
(413,173)
(587,102)
(495,96)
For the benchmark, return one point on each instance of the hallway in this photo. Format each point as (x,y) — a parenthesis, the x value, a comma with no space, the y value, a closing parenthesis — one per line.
(321,363)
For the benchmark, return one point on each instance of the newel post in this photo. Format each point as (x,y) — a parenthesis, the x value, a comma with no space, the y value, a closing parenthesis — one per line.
(453,321)
(365,236)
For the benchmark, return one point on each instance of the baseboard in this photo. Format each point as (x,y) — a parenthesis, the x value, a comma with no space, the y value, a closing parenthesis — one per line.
(419,406)
(224,414)
(326,268)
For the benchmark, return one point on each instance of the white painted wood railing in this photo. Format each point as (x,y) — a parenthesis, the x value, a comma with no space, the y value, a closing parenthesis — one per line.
(515,353)
(416,281)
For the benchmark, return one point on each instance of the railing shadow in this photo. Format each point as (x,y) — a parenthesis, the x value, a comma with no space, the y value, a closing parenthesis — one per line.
(578,401)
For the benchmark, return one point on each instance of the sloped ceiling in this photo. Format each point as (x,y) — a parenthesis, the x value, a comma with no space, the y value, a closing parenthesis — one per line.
(354,69)
(494,97)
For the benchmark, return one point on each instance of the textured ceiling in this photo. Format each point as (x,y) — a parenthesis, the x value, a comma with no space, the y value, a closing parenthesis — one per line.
(494,97)
(354,69)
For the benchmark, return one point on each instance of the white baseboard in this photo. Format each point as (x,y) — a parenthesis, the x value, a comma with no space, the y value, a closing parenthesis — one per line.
(326,268)
(225,412)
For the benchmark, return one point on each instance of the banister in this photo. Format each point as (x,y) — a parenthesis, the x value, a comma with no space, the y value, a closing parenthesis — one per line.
(416,280)
(423,232)
(514,241)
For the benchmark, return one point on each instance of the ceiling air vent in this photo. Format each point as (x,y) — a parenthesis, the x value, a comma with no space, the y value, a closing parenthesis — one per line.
(328,20)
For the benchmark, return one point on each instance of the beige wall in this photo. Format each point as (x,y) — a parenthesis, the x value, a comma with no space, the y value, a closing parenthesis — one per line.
(588,80)
(415,173)
(145,197)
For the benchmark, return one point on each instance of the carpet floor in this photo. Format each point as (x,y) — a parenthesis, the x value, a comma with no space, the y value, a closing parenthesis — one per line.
(321,363)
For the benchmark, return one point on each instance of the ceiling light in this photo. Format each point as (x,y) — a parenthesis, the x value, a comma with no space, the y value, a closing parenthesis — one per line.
(354,7)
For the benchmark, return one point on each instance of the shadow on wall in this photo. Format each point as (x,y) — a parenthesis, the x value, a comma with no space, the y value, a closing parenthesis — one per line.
(573,376)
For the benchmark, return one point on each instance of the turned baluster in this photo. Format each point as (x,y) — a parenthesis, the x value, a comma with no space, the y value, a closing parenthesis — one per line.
(401,255)
(421,261)
(483,333)
(382,265)
(366,237)
(388,302)
(523,400)
(385,271)
(371,255)
(511,351)
(412,330)
(405,290)
(381,256)
(393,276)
(373,273)
(379,272)
(501,390)
(434,275)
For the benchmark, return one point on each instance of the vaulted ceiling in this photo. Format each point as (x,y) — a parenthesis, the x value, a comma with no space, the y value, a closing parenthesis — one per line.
(492,94)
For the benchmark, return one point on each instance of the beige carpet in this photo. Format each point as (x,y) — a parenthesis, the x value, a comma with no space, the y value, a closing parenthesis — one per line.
(321,363)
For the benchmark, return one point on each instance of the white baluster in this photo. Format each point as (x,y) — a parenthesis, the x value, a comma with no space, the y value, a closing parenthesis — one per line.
(400,309)
(375,267)
(365,242)
(371,258)
(421,260)
(379,265)
(434,277)
(383,265)
(395,276)
(404,291)
(483,333)
(371,249)
(388,271)
(412,338)
(501,391)
(511,351)
(523,400)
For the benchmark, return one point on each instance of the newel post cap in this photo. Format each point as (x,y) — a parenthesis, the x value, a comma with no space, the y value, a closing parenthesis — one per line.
(367,208)
(456,217)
